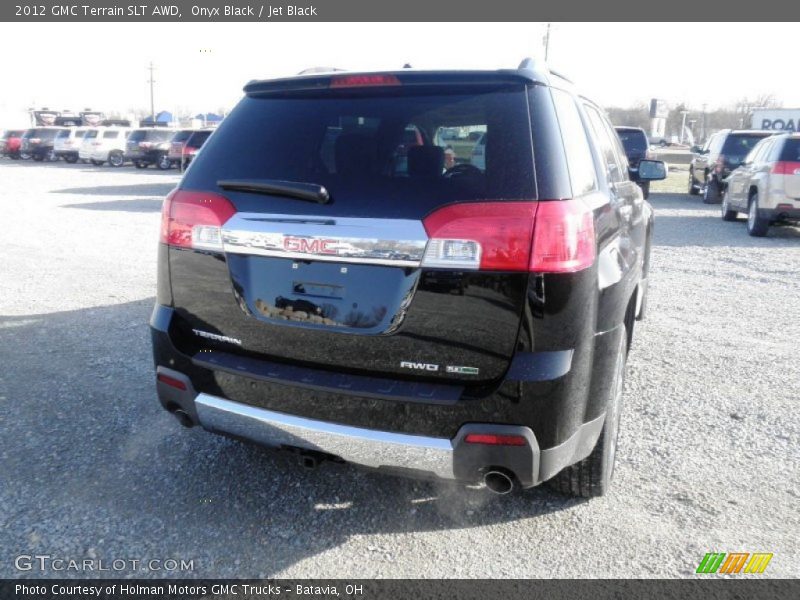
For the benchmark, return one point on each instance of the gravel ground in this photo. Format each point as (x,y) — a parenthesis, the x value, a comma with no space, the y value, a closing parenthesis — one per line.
(93,468)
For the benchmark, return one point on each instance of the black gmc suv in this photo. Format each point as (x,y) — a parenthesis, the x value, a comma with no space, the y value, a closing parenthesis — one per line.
(300,302)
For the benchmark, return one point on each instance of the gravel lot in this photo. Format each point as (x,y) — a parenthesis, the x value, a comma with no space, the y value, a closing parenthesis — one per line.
(93,468)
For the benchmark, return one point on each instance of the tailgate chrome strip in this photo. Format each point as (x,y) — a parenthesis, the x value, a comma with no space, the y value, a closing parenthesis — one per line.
(391,242)
(366,447)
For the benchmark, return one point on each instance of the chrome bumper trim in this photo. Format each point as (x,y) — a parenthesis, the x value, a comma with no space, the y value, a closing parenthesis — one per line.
(366,447)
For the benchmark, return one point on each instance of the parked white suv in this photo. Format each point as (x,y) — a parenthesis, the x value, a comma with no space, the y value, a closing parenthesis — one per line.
(68,142)
(767,185)
(105,144)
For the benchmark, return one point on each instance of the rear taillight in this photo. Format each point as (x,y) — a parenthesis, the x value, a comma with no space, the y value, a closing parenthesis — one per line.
(34,140)
(786,167)
(545,237)
(563,238)
(194,219)
(490,439)
(493,236)
(347,81)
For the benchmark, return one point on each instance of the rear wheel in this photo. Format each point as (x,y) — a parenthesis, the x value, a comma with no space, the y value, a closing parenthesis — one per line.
(728,214)
(713,192)
(71,159)
(164,163)
(694,189)
(38,157)
(756,226)
(24,155)
(592,476)
(115,159)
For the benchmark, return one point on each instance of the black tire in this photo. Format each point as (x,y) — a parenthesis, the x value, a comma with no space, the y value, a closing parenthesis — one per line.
(14,156)
(25,156)
(728,214)
(116,159)
(71,159)
(164,163)
(694,189)
(592,476)
(645,189)
(140,165)
(713,192)
(97,163)
(37,157)
(756,226)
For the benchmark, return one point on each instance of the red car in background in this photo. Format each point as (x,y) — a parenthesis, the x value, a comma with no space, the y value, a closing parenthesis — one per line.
(10,143)
(185,144)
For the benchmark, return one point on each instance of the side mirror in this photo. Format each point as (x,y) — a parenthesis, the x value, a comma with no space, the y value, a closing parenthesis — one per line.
(696,149)
(651,170)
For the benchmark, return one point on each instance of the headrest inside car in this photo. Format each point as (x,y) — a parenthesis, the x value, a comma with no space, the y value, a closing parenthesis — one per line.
(356,154)
(425,161)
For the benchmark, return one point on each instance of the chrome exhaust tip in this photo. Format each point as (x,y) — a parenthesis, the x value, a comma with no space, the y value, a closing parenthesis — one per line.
(183,417)
(498,482)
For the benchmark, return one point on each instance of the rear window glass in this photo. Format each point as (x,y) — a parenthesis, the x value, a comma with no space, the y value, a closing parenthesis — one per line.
(110,135)
(394,147)
(182,136)
(791,150)
(45,134)
(633,141)
(739,145)
(63,134)
(80,133)
(90,135)
(198,138)
(150,135)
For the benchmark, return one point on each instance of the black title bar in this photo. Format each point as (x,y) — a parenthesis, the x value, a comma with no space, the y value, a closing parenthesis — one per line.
(400,10)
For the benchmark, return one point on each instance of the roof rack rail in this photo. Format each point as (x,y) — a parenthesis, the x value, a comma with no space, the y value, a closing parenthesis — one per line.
(540,67)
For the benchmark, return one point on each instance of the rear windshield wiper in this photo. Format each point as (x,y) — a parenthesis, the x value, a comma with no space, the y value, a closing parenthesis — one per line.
(310,192)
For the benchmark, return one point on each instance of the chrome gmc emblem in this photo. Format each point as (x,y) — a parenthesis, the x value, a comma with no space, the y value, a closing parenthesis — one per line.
(309,245)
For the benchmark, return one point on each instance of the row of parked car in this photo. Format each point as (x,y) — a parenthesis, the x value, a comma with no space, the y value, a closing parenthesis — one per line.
(164,148)
(752,172)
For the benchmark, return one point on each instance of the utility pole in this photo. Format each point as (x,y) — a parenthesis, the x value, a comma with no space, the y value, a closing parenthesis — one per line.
(151,81)
(547,42)
(683,124)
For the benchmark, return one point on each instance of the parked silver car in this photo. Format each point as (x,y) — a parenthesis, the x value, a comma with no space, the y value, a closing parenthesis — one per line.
(766,185)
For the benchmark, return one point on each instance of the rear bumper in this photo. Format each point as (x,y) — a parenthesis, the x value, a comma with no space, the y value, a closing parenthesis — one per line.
(415,455)
(780,213)
(413,429)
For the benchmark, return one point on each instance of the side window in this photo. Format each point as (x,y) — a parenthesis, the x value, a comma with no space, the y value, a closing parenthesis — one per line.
(775,149)
(576,145)
(615,168)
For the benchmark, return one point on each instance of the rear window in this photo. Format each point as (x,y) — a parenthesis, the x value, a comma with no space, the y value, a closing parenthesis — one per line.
(633,141)
(80,133)
(63,134)
(395,147)
(197,139)
(738,145)
(182,136)
(150,135)
(44,134)
(110,135)
(791,150)
(90,135)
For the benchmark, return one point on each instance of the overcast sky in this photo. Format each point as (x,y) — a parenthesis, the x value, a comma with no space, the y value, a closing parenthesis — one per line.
(203,66)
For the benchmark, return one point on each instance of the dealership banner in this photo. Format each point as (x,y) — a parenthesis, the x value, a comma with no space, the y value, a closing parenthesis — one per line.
(404,10)
(397,589)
